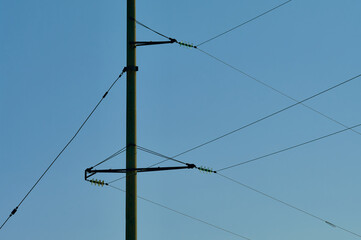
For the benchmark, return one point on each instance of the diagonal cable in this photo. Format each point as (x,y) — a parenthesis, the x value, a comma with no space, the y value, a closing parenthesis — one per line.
(260,120)
(252,77)
(289,205)
(159,155)
(166,158)
(244,23)
(183,214)
(270,87)
(111,156)
(156,32)
(269,116)
(276,90)
(288,148)
(59,154)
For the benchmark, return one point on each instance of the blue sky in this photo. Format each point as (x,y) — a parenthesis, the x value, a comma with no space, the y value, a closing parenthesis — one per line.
(59,57)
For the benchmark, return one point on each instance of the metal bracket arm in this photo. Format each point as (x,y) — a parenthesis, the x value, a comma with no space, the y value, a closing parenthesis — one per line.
(146,43)
(90,172)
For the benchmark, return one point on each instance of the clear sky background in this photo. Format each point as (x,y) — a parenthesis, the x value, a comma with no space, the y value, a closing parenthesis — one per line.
(57,58)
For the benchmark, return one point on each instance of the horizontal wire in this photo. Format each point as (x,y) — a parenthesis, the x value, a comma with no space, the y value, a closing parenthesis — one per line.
(288,148)
(288,205)
(183,214)
(276,90)
(59,154)
(244,23)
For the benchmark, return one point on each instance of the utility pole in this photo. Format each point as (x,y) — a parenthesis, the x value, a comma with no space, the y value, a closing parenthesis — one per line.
(131,135)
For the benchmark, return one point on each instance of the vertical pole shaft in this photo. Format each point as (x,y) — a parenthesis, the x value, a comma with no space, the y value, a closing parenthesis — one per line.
(131,158)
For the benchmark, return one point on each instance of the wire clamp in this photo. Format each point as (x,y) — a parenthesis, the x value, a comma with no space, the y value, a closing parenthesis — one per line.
(131,68)
(13,211)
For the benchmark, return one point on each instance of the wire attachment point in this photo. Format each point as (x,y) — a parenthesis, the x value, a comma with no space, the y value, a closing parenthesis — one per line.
(206,169)
(189,45)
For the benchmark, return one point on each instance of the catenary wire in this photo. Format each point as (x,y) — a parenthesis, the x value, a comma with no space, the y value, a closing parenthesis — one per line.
(168,158)
(278,200)
(288,205)
(244,23)
(257,121)
(276,90)
(288,148)
(183,214)
(254,78)
(261,82)
(59,154)
(268,116)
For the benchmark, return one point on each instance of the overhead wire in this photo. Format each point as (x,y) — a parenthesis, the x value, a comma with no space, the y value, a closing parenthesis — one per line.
(289,205)
(260,120)
(172,40)
(270,115)
(156,32)
(280,201)
(298,145)
(166,158)
(274,198)
(7,219)
(244,23)
(59,154)
(288,148)
(276,90)
(270,87)
(184,214)
(172,158)
(297,102)
(264,194)
(218,35)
